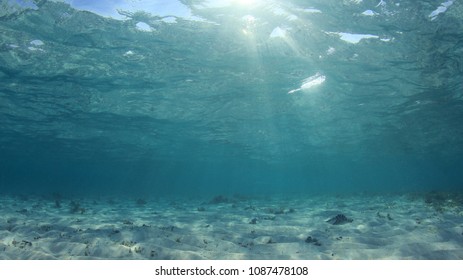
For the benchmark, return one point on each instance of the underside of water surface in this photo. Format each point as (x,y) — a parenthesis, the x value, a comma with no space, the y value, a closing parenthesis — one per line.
(197,97)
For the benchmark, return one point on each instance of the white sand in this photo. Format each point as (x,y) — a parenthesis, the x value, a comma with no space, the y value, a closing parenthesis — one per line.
(383,227)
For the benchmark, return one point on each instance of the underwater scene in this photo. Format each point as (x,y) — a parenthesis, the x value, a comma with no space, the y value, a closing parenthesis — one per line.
(231,129)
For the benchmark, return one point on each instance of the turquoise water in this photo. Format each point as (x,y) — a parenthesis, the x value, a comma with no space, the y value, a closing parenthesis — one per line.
(210,97)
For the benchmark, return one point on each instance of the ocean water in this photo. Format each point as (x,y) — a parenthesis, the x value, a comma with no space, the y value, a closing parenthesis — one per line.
(201,98)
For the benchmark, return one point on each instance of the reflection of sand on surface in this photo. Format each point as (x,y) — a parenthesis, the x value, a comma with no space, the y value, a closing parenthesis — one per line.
(383,227)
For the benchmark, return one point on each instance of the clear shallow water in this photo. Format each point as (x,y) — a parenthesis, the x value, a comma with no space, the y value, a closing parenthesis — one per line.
(206,97)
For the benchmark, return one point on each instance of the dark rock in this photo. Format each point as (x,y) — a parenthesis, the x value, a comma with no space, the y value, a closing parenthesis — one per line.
(219,199)
(313,240)
(57,197)
(76,208)
(128,243)
(382,216)
(21,244)
(140,202)
(443,201)
(339,219)
(253,221)
(310,239)
(167,228)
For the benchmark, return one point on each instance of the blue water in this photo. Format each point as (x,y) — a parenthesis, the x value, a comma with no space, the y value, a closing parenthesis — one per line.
(268,97)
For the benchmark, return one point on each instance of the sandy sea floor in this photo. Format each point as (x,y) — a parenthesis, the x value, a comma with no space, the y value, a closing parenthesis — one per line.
(406,226)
